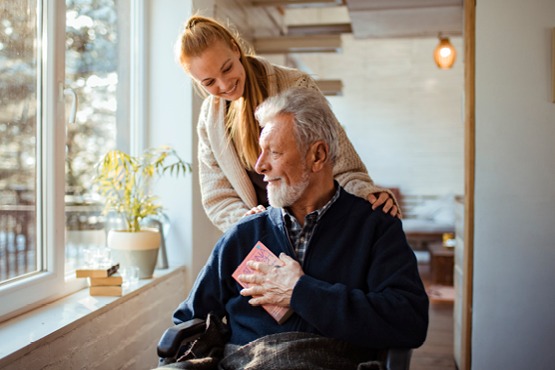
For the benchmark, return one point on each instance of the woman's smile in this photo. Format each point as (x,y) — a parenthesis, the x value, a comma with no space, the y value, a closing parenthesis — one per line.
(219,71)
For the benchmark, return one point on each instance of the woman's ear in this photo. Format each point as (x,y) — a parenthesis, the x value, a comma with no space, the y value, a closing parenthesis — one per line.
(319,154)
(235,48)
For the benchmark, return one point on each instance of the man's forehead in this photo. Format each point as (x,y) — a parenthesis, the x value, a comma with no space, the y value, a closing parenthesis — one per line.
(276,133)
(281,123)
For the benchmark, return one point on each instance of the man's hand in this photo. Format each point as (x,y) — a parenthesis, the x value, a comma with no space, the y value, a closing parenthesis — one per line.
(387,201)
(270,284)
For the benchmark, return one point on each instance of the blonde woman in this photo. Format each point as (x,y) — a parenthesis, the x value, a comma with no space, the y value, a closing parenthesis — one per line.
(234,83)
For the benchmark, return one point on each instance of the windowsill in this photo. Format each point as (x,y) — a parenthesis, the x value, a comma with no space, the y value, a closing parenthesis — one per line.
(26,332)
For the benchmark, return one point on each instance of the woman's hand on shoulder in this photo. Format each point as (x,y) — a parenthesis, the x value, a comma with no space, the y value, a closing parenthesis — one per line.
(255,210)
(386,200)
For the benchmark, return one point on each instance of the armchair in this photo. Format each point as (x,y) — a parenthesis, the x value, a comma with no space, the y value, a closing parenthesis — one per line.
(176,338)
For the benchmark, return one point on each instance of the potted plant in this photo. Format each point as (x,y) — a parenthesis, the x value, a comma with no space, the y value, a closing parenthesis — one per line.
(125,183)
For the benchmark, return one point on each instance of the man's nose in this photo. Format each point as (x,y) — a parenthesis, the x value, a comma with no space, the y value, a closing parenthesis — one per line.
(260,167)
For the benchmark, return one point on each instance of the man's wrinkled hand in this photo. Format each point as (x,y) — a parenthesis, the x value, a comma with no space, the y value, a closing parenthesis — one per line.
(271,284)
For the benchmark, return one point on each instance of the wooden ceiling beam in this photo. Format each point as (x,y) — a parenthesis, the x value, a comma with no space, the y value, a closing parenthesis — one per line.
(298,44)
(319,29)
(330,87)
(354,5)
(298,3)
(417,22)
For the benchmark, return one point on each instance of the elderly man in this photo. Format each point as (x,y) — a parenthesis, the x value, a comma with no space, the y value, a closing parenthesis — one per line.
(347,272)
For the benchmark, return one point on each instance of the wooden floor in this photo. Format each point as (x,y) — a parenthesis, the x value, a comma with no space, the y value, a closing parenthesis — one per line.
(437,352)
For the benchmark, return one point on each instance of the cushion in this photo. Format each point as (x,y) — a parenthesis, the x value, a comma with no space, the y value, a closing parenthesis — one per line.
(441,210)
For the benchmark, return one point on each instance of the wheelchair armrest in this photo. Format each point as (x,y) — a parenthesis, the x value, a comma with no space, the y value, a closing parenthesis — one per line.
(173,336)
(398,359)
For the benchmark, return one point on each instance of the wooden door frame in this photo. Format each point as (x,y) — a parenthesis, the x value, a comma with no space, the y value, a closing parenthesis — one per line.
(469,169)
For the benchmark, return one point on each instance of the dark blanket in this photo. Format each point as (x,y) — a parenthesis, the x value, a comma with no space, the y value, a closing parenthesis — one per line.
(283,351)
(298,351)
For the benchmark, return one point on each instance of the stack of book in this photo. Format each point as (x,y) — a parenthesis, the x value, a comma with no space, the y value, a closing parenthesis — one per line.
(103,281)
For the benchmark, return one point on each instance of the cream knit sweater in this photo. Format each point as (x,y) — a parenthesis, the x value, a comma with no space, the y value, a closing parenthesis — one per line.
(227,191)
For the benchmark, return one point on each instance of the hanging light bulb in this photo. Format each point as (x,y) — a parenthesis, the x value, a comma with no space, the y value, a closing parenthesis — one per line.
(445,53)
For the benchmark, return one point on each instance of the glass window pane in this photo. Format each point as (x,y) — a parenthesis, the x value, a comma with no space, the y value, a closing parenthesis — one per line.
(92,41)
(18,137)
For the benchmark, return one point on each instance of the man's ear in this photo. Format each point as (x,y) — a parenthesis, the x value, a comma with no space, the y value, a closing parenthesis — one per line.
(319,152)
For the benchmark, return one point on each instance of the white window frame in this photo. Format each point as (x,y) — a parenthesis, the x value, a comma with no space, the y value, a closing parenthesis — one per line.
(16,296)
(51,282)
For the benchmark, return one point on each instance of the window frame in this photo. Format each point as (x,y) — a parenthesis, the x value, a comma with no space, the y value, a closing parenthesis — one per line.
(50,168)
(51,282)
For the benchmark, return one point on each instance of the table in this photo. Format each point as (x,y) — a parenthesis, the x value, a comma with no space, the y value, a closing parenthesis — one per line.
(442,261)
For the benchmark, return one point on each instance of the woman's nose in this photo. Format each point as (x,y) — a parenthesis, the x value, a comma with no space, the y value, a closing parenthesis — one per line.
(225,86)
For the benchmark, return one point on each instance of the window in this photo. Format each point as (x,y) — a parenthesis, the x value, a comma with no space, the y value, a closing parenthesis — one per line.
(92,74)
(49,71)
(19,115)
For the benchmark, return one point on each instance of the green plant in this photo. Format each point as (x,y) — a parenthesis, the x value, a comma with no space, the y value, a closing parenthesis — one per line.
(124,181)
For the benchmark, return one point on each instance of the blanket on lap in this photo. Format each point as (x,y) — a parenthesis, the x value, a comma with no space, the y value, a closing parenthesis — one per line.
(283,351)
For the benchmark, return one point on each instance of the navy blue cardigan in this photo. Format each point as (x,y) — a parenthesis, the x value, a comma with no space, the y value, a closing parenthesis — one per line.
(361,281)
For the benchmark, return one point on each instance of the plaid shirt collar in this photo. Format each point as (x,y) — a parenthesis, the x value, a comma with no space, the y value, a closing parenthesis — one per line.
(300,235)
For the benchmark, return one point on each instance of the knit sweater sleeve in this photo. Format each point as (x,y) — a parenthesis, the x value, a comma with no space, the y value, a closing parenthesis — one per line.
(221,202)
(349,170)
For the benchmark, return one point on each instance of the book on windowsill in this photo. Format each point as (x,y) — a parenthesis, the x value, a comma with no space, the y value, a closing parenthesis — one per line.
(261,253)
(106,281)
(103,272)
(110,291)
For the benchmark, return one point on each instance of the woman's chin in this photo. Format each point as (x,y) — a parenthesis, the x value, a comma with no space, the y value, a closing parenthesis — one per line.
(237,93)
(230,97)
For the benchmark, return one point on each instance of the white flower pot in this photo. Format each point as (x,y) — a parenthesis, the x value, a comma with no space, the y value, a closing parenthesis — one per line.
(138,249)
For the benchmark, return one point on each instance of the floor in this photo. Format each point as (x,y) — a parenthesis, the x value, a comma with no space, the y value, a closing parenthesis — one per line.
(437,352)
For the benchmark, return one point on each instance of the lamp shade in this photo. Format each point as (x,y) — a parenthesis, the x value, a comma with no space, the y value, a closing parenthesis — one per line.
(445,53)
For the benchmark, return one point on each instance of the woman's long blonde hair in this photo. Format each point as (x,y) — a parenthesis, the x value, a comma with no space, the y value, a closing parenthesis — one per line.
(199,34)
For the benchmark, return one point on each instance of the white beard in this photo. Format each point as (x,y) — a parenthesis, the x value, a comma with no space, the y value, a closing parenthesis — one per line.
(285,195)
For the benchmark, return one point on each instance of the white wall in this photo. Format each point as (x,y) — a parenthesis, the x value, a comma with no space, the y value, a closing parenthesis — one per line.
(172,117)
(402,113)
(514,298)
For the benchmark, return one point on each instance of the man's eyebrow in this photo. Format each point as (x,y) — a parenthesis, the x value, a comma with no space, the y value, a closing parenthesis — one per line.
(224,65)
